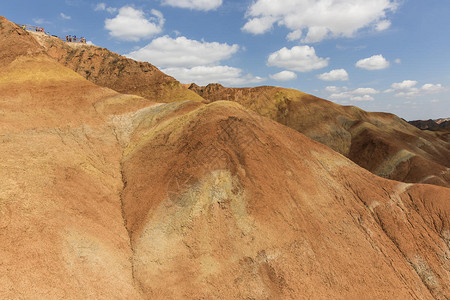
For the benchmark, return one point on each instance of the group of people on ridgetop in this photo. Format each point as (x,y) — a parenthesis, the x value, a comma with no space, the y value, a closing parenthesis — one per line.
(37,29)
(74,39)
(69,38)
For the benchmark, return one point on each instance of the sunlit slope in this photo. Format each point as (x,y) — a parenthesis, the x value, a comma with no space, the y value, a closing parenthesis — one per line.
(222,203)
(382,143)
(15,42)
(114,71)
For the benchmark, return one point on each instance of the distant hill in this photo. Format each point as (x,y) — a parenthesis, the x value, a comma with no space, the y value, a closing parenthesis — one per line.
(438,124)
(379,142)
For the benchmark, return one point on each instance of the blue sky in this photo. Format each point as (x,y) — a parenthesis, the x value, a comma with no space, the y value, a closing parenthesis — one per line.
(380,55)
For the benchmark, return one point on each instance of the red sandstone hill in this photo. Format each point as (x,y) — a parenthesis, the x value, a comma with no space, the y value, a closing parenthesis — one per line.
(382,143)
(108,69)
(112,196)
(379,142)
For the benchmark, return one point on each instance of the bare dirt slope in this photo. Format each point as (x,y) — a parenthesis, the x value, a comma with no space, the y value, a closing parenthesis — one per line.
(111,196)
(222,203)
(382,143)
(108,69)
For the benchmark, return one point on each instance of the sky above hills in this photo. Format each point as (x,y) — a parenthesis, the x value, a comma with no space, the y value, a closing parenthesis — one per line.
(380,55)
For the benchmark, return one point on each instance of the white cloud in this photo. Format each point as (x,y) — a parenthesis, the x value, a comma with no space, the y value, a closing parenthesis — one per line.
(408,89)
(204,5)
(398,61)
(382,25)
(183,52)
(434,101)
(334,89)
(131,24)
(194,61)
(111,10)
(432,88)
(362,98)
(365,91)
(320,19)
(64,16)
(359,94)
(102,6)
(40,21)
(203,75)
(298,58)
(315,34)
(294,35)
(334,75)
(376,62)
(339,96)
(259,25)
(284,76)
(405,84)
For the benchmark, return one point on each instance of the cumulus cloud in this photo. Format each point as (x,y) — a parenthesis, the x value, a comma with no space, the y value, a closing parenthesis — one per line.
(259,25)
(362,98)
(334,89)
(102,6)
(64,16)
(204,5)
(183,52)
(298,58)
(132,24)
(334,75)
(365,91)
(376,62)
(359,94)
(405,84)
(40,21)
(294,35)
(284,76)
(432,88)
(202,75)
(398,61)
(408,89)
(382,25)
(319,19)
(194,61)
